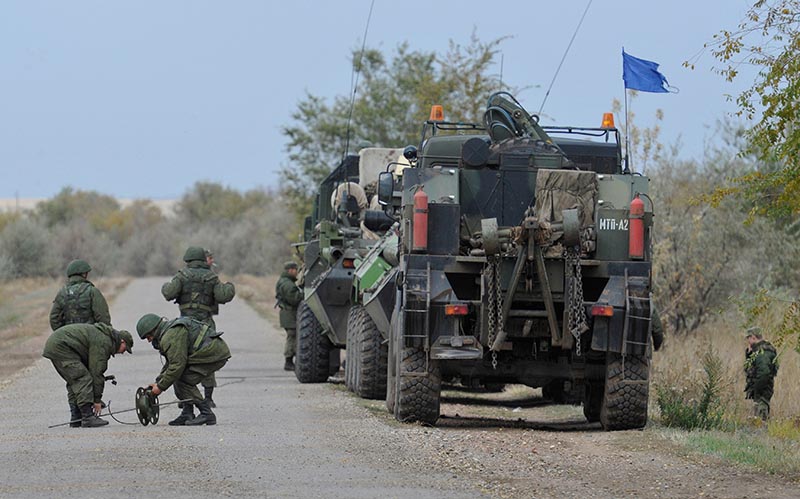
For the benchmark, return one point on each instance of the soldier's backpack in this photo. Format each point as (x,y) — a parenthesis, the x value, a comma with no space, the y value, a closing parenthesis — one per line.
(197,290)
(78,303)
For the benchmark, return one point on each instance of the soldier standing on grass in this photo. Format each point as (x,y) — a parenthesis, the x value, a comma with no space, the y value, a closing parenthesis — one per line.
(79,302)
(760,367)
(193,351)
(289,297)
(80,354)
(198,292)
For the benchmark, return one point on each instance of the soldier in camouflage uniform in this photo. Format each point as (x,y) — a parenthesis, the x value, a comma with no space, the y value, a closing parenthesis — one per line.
(78,301)
(198,292)
(80,354)
(289,297)
(760,367)
(193,351)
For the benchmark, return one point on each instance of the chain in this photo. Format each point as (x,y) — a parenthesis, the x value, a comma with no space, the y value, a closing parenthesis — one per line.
(495,305)
(577,312)
(499,302)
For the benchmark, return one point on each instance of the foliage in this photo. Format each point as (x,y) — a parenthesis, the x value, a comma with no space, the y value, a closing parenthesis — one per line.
(769,39)
(770,455)
(781,315)
(70,205)
(212,203)
(24,249)
(393,99)
(704,255)
(696,405)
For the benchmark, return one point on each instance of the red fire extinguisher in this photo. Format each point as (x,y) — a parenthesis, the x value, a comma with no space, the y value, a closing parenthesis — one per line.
(636,229)
(420,236)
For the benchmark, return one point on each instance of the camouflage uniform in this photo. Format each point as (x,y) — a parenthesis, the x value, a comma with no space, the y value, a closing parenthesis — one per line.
(193,351)
(78,302)
(760,367)
(289,297)
(198,292)
(80,353)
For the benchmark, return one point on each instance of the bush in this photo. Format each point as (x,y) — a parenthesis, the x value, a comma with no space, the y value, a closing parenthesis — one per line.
(24,246)
(697,404)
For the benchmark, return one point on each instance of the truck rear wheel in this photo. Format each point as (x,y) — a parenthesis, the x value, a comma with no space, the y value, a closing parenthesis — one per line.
(313,348)
(371,355)
(626,393)
(419,391)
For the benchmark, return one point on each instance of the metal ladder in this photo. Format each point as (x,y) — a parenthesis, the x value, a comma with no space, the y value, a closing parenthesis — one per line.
(629,317)
(417,284)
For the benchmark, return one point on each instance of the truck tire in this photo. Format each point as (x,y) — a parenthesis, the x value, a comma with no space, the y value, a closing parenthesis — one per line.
(391,372)
(626,393)
(371,357)
(312,360)
(418,394)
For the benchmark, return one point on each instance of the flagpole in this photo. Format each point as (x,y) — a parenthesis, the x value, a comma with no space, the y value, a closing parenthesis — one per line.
(627,136)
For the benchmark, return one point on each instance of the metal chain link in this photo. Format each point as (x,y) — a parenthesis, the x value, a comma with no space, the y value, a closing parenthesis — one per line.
(499,302)
(495,305)
(577,312)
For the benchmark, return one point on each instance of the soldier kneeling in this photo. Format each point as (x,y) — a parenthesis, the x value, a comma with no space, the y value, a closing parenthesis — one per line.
(193,350)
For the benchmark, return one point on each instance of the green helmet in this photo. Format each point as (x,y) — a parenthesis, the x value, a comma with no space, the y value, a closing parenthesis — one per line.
(147,325)
(194,253)
(78,267)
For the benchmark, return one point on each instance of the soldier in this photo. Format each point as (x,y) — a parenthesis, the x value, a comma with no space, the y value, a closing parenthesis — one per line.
(193,351)
(78,301)
(80,354)
(289,297)
(760,367)
(198,292)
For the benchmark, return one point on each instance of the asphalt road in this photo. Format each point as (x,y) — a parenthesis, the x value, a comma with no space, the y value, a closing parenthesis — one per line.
(274,438)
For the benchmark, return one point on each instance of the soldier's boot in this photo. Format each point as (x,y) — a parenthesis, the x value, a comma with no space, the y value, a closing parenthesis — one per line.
(187,414)
(288,365)
(206,417)
(88,418)
(74,416)
(209,392)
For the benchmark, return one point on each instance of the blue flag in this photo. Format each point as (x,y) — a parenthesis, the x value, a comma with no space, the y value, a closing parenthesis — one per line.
(642,75)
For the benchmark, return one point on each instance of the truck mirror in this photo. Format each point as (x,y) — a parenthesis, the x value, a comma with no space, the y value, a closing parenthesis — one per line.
(385,188)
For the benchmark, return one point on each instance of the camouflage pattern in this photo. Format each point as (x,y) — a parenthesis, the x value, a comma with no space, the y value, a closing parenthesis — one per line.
(289,297)
(198,291)
(78,267)
(80,353)
(760,367)
(193,350)
(79,302)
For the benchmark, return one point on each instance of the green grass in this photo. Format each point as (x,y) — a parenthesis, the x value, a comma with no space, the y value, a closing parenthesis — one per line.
(756,450)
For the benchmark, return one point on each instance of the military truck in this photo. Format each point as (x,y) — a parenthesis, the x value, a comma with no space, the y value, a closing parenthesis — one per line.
(521,259)
(337,234)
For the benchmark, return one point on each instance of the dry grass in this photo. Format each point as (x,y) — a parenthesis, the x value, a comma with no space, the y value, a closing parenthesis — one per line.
(24,317)
(680,362)
(259,293)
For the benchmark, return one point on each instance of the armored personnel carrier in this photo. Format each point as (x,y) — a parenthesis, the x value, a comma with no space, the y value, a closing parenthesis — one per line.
(337,234)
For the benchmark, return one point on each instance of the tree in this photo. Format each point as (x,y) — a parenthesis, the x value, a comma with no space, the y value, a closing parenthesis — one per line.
(393,99)
(769,39)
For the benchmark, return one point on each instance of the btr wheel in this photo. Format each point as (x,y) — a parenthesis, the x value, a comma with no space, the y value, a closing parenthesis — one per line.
(312,360)
(371,356)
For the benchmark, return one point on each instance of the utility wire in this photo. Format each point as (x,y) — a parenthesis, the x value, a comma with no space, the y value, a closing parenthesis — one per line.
(547,94)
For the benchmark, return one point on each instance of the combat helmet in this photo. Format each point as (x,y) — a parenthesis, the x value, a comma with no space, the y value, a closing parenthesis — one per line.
(147,325)
(78,267)
(194,253)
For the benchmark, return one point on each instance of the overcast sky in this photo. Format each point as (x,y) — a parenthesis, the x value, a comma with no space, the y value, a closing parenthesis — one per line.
(142,99)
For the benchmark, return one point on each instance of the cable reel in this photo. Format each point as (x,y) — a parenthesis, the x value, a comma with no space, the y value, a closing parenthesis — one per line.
(146,406)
